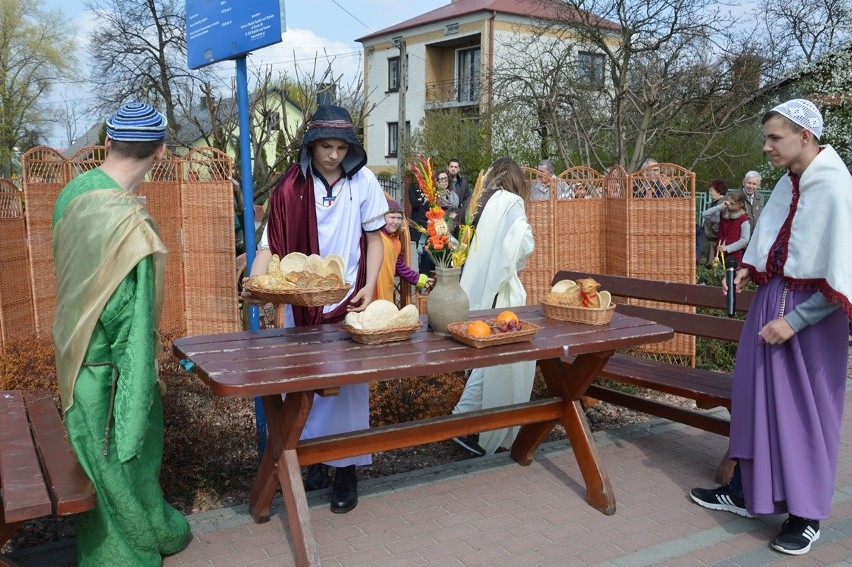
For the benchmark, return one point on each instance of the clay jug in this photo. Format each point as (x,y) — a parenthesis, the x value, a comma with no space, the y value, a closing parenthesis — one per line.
(447,301)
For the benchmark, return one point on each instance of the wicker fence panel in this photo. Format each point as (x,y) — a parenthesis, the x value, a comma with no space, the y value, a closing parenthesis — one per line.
(45,173)
(162,192)
(85,159)
(200,297)
(661,242)
(579,229)
(540,268)
(207,209)
(617,221)
(16,299)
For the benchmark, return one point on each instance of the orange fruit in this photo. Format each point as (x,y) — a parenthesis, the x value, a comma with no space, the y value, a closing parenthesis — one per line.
(478,329)
(507,316)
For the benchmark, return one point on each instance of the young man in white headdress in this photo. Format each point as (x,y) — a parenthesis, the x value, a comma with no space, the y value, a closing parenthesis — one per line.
(790,375)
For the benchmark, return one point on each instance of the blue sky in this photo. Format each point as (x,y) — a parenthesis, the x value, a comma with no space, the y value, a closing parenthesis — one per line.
(314,28)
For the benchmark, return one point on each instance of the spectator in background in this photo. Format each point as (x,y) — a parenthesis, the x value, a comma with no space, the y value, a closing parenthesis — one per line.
(583,190)
(651,183)
(457,182)
(754,198)
(734,228)
(447,198)
(717,191)
(540,188)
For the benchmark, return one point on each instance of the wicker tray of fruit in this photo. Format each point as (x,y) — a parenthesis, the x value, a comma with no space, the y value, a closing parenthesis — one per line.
(492,332)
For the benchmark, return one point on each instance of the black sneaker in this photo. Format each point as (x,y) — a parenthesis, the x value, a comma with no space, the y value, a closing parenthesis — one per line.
(720,499)
(471,443)
(797,535)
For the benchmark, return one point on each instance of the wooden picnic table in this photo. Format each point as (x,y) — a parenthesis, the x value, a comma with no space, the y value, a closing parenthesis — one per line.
(303,361)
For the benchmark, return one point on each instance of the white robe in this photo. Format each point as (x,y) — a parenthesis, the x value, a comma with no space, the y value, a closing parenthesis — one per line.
(502,244)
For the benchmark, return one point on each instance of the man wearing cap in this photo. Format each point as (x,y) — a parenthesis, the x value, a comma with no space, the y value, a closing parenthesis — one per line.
(109,263)
(790,375)
(394,264)
(329,203)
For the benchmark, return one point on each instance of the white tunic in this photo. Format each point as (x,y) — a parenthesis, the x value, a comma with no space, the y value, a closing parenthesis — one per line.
(502,244)
(359,204)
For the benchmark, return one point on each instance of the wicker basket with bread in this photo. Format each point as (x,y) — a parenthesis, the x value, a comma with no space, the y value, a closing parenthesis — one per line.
(580,301)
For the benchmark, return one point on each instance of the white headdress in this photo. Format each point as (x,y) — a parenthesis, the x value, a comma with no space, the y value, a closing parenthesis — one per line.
(802,112)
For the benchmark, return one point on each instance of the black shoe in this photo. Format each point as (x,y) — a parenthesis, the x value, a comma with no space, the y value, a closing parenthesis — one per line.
(797,535)
(720,499)
(317,477)
(471,443)
(344,491)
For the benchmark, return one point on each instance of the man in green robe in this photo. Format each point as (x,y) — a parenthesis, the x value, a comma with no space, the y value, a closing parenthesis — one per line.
(109,263)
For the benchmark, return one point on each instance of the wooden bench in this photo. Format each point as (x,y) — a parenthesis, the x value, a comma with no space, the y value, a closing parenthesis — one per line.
(39,474)
(709,389)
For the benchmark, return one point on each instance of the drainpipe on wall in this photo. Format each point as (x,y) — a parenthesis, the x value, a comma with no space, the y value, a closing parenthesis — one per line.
(491,21)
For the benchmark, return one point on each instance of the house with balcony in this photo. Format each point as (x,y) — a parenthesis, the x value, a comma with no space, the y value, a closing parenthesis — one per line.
(452,54)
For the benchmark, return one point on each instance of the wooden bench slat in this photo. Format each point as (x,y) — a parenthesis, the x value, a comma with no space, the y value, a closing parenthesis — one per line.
(693,383)
(703,421)
(688,323)
(672,292)
(24,494)
(71,490)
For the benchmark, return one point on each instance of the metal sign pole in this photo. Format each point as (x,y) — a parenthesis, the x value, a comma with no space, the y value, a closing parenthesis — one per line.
(248,218)
(224,30)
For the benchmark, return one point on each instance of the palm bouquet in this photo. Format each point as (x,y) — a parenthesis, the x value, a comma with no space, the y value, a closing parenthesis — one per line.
(445,251)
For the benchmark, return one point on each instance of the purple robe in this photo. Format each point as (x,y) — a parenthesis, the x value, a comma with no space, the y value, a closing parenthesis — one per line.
(787,406)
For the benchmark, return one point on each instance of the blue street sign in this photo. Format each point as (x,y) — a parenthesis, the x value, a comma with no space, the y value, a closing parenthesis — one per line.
(225,29)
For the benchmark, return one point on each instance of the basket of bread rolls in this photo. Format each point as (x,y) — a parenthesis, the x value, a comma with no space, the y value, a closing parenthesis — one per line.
(297,279)
(382,322)
(580,301)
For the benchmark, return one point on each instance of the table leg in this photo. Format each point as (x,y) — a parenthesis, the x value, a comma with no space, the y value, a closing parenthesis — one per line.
(570,383)
(290,475)
(280,466)
(531,436)
(598,488)
(285,418)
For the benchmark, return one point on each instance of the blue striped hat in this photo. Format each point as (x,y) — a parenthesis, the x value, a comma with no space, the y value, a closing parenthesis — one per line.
(136,122)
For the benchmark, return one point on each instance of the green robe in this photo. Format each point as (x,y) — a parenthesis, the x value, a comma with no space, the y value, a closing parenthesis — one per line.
(95,223)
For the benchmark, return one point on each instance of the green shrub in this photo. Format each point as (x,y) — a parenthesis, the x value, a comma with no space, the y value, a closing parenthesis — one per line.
(397,401)
(28,364)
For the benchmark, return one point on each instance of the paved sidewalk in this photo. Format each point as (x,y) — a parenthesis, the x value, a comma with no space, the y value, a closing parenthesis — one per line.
(491,511)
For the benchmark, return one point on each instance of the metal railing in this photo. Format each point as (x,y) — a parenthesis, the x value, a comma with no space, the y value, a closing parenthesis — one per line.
(453,92)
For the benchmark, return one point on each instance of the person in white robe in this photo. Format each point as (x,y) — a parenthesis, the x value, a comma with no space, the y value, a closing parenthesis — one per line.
(502,244)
